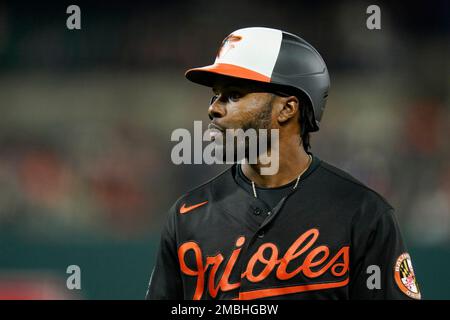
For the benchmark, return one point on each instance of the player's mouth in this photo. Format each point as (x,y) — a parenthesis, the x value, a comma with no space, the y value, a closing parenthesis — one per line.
(215,130)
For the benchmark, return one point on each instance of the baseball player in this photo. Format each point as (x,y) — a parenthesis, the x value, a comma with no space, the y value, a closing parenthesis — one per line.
(310,231)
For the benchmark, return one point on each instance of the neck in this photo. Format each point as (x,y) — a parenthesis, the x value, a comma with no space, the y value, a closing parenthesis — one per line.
(292,161)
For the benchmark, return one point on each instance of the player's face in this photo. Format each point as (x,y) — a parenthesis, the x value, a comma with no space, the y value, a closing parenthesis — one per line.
(240,107)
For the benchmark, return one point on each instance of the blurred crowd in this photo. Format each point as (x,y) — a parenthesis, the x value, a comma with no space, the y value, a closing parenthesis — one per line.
(54,184)
(86,116)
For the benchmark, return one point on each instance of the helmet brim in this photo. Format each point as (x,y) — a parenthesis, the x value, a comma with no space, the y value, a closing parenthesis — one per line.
(210,75)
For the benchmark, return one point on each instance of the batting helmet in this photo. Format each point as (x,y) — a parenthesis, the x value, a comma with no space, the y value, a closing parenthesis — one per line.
(274,58)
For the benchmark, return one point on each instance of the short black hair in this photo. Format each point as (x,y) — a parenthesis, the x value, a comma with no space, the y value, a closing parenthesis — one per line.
(304,122)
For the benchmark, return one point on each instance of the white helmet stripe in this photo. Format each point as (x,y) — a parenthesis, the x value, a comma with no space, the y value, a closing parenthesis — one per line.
(255,49)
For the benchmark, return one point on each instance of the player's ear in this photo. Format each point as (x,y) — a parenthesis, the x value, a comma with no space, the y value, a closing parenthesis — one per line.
(288,108)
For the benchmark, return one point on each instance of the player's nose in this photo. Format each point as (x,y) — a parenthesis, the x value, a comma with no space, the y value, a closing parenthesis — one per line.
(216,109)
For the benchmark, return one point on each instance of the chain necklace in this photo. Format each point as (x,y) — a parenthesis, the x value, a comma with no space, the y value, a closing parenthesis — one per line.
(296,182)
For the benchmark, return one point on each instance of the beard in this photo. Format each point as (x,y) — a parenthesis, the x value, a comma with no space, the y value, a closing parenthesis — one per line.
(241,147)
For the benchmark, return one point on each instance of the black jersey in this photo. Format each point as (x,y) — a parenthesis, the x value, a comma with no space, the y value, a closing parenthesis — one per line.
(331,238)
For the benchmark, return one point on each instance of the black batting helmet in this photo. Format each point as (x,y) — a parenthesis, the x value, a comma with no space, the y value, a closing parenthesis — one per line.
(275,58)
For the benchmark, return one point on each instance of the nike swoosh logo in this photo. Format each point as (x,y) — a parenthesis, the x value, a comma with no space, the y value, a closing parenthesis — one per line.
(185,209)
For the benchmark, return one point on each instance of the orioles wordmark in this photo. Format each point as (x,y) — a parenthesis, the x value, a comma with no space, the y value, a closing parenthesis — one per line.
(317,257)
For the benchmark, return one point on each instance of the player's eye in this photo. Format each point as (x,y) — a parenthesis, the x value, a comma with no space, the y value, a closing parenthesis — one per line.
(234,96)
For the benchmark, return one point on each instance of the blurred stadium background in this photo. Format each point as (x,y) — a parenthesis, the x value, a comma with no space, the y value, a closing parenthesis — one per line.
(86,118)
